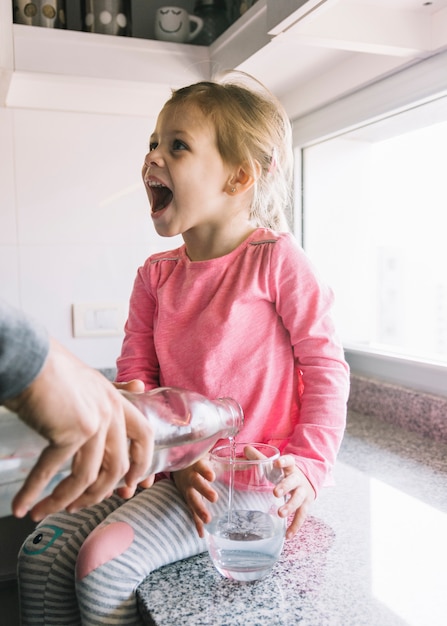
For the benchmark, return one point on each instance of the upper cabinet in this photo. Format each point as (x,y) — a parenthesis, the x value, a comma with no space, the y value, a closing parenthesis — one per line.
(307,51)
(61,69)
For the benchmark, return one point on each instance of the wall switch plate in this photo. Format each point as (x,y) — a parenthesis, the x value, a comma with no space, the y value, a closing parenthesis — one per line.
(98,319)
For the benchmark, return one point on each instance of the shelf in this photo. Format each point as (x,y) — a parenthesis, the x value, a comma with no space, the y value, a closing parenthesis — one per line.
(69,70)
(76,71)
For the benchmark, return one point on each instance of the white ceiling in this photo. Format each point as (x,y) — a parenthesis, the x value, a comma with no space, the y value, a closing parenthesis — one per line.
(328,48)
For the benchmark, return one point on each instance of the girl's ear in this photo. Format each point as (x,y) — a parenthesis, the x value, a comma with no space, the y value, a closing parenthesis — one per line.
(243,181)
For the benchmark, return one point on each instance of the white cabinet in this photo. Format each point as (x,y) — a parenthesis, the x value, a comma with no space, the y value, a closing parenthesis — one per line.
(70,70)
(60,69)
(76,71)
(308,52)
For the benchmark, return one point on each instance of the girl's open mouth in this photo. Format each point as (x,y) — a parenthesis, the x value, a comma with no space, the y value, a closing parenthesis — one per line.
(161,196)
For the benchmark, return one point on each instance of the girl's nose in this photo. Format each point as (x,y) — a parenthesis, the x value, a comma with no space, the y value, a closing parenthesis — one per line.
(148,159)
(154,157)
(152,160)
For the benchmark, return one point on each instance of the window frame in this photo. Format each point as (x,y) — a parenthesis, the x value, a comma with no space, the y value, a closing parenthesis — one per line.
(413,86)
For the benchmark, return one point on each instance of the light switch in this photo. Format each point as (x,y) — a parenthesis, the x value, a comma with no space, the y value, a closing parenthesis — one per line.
(98,319)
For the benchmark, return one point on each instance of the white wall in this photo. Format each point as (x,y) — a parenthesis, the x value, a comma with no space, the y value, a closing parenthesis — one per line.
(74,217)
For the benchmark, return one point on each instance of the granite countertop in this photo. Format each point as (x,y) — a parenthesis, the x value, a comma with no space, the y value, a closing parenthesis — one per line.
(373,551)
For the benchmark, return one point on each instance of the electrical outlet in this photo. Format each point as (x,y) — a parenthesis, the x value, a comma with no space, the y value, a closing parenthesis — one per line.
(98,319)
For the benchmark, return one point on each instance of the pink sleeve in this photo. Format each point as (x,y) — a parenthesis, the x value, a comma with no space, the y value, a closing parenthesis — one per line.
(305,304)
(138,359)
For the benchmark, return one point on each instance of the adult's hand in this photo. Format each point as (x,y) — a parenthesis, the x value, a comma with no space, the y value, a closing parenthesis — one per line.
(84,417)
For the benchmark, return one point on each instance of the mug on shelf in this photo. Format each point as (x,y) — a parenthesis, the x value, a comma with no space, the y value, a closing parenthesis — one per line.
(174,24)
(108,17)
(49,13)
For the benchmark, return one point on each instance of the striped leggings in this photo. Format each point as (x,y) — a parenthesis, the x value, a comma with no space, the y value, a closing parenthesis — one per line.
(84,568)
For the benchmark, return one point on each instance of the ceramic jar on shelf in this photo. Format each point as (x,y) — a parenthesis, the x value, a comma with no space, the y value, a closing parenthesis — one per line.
(109,17)
(49,13)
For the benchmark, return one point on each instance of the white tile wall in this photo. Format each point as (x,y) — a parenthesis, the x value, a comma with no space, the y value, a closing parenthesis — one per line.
(9,273)
(9,266)
(8,226)
(78,178)
(74,217)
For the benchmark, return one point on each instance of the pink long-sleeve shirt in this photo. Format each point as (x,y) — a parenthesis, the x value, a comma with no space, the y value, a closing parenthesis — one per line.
(254,325)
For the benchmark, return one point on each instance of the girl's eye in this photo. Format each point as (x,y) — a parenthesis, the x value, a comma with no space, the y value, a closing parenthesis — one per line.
(152,146)
(178,145)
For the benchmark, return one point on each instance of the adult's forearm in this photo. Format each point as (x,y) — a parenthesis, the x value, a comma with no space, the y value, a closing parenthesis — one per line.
(24,347)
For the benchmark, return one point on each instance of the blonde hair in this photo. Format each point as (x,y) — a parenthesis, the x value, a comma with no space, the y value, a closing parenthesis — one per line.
(252,131)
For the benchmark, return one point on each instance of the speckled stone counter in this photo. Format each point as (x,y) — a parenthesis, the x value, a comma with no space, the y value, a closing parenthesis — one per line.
(414,410)
(373,551)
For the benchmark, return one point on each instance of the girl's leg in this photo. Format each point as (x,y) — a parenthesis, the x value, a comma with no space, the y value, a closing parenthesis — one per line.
(151,530)
(46,565)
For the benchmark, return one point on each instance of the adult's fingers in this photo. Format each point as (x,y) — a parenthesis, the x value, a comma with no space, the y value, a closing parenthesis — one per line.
(109,451)
(52,460)
(96,468)
(141,445)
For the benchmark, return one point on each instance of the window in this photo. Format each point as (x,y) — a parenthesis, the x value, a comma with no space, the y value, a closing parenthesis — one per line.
(375,224)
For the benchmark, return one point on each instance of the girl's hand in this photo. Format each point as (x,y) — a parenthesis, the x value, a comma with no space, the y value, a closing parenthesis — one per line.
(194,485)
(301,493)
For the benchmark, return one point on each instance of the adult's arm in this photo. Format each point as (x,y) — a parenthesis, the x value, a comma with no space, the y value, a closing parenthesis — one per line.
(81,414)
(24,346)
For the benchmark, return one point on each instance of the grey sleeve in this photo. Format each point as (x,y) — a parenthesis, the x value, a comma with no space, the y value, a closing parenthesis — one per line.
(24,346)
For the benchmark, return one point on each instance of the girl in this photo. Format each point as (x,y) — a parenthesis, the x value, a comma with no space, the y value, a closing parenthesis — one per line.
(236,311)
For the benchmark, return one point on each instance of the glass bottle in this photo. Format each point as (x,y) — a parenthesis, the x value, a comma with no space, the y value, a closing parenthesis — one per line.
(186,425)
(215,20)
